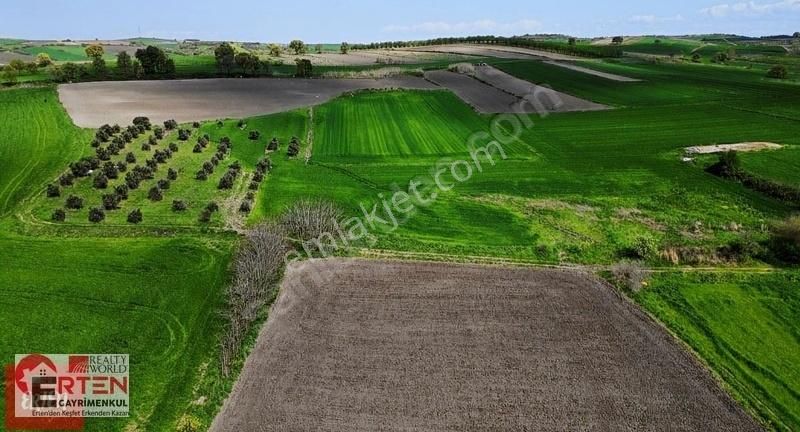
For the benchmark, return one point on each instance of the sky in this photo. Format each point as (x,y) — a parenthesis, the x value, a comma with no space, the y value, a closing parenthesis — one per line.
(317,21)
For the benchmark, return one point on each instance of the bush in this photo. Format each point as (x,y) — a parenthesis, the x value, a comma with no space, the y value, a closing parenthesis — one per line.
(110,201)
(172,174)
(142,122)
(629,274)
(208,167)
(163,184)
(170,124)
(152,140)
(642,248)
(785,241)
(188,423)
(110,170)
(212,207)
(145,147)
(197,148)
(66,179)
(100,181)
(82,167)
(273,145)
(306,219)
(226,182)
(294,148)
(254,185)
(254,135)
(155,194)
(778,72)
(135,216)
(121,191)
(246,207)
(205,216)
(201,175)
(250,196)
(96,215)
(130,158)
(59,215)
(53,191)
(122,167)
(173,147)
(178,206)
(74,202)
(184,134)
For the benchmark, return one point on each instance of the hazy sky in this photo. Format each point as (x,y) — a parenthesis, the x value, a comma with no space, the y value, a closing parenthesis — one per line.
(360,20)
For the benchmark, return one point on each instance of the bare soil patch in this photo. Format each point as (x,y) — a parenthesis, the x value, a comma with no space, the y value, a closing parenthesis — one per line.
(551,100)
(7,56)
(494,51)
(606,75)
(484,98)
(96,103)
(376,57)
(740,147)
(363,345)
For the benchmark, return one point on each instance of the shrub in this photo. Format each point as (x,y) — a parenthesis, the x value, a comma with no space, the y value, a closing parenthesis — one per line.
(102,153)
(110,170)
(643,248)
(184,134)
(100,181)
(264,166)
(143,122)
(273,145)
(778,72)
(241,124)
(172,174)
(226,182)
(121,191)
(201,175)
(170,124)
(130,158)
(145,147)
(208,167)
(110,201)
(196,125)
(212,207)
(246,207)
(135,216)
(294,148)
(96,215)
(53,191)
(307,219)
(163,184)
(205,216)
(254,135)
(155,194)
(250,196)
(629,274)
(173,147)
(258,177)
(74,202)
(197,148)
(59,215)
(253,185)
(178,206)
(66,179)
(95,143)
(785,241)
(188,423)
(122,166)
(158,132)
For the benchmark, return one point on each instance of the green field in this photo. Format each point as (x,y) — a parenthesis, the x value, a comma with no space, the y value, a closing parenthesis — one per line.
(156,297)
(745,327)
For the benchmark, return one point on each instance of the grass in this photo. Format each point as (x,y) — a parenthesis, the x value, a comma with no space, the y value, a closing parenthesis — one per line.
(155,296)
(745,327)
(37,140)
(781,166)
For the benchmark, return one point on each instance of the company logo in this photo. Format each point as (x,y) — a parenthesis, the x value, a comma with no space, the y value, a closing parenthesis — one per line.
(71,385)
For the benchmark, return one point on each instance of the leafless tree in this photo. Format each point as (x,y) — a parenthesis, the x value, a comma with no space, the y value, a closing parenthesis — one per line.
(309,219)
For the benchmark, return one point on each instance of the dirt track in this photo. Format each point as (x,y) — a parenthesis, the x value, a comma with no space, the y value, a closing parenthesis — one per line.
(375,345)
(96,103)
(493,51)
(606,75)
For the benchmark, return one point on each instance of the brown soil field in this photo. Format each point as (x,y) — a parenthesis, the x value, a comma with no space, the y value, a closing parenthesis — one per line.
(374,57)
(606,75)
(552,101)
(93,104)
(7,56)
(494,51)
(361,345)
(484,98)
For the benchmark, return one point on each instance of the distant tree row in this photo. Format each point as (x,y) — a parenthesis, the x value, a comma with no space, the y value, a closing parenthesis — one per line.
(595,51)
